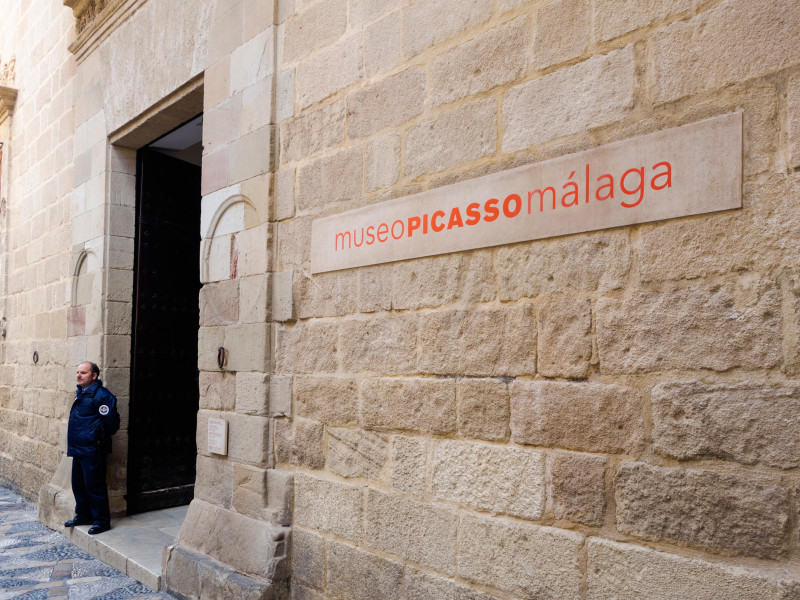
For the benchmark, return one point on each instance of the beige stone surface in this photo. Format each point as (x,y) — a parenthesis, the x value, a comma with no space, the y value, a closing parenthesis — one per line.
(382,162)
(249,440)
(483,408)
(565,338)
(423,586)
(383,344)
(332,400)
(698,327)
(522,559)
(362,11)
(315,27)
(312,132)
(334,68)
(217,390)
(214,480)
(308,557)
(252,393)
(409,403)
(493,58)
(328,506)
(417,531)
(408,460)
(253,295)
(332,178)
(721,512)
(300,442)
(794,120)
(440,280)
(581,416)
(358,575)
(325,295)
(307,348)
(494,341)
(610,21)
(429,22)
(584,263)
(626,571)
(562,32)
(590,94)
(748,423)
(732,42)
(249,490)
(248,347)
(578,487)
(389,102)
(284,194)
(356,453)
(501,480)
(456,137)
(382,44)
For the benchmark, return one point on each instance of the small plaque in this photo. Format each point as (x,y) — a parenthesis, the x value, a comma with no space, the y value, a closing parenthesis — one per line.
(218,436)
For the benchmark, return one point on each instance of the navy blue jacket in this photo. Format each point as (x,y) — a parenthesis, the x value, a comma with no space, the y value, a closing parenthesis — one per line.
(93,419)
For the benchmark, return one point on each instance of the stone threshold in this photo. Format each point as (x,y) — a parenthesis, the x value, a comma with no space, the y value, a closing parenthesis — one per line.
(135,544)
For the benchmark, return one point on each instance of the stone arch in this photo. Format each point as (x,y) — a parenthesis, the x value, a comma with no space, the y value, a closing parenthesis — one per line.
(81,292)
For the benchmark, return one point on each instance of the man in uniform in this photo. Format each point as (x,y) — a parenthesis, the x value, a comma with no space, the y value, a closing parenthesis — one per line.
(93,419)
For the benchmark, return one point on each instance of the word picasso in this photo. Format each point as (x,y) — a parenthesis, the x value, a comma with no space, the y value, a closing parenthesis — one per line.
(579,189)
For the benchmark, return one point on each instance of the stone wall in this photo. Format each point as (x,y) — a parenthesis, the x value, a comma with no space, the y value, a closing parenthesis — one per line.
(604,415)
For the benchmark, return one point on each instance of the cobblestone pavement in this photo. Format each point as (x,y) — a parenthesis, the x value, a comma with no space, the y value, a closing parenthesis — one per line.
(36,563)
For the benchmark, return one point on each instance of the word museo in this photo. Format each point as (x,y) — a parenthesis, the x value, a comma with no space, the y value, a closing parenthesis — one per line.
(631,185)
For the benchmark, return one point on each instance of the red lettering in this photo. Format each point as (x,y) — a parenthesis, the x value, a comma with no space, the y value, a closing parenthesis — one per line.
(517,202)
(402,229)
(474,214)
(639,189)
(342,237)
(455,219)
(370,235)
(438,214)
(424,224)
(573,192)
(541,198)
(383,230)
(413,223)
(609,185)
(355,238)
(491,210)
(667,174)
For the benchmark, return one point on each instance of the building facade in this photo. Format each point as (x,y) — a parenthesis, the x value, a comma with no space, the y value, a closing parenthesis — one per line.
(610,410)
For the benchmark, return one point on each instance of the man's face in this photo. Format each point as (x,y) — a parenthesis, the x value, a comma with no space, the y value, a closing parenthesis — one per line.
(85,376)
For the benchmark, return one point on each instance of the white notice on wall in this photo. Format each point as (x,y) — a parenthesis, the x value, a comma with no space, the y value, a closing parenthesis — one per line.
(218,436)
(688,170)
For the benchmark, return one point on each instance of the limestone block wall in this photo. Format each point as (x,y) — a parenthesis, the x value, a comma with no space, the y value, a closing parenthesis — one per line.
(604,415)
(35,217)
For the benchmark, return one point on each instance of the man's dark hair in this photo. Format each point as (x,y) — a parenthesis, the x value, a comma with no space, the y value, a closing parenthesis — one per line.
(95,369)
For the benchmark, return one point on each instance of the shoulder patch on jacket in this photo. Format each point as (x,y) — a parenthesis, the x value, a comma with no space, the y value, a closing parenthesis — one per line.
(103,410)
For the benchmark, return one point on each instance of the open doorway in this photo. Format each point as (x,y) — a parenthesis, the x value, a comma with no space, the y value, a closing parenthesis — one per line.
(164,375)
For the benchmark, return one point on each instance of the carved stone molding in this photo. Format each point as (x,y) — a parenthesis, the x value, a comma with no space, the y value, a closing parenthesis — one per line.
(8,97)
(7,72)
(95,19)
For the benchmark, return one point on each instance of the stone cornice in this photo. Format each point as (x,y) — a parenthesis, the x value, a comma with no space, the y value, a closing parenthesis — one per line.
(95,19)
(8,97)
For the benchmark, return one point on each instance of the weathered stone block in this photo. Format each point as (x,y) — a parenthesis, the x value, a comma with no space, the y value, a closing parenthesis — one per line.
(420,404)
(359,575)
(456,137)
(356,453)
(214,481)
(328,506)
(618,571)
(492,59)
(252,393)
(334,68)
(307,348)
(247,156)
(387,103)
(525,560)
(562,32)
(610,22)
(409,456)
(382,162)
(438,280)
(495,341)
(332,400)
(300,442)
(325,294)
(590,94)
(483,408)
(699,327)
(253,294)
(284,194)
(748,423)
(579,492)
(580,416)
(248,439)
(317,26)
(219,303)
(308,557)
(362,11)
(433,21)
(248,347)
(249,490)
(793,101)
(382,345)
(565,338)
(733,42)
(312,132)
(417,531)
(280,396)
(720,512)
(332,178)
(422,586)
(503,480)
(382,44)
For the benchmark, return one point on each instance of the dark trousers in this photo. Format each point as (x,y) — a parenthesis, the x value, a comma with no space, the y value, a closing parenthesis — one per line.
(89,488)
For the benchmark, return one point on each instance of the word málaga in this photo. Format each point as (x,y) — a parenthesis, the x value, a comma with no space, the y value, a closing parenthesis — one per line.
(579,189)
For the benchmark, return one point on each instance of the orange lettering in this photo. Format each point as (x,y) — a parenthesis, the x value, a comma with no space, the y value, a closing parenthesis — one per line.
(491,209)
(438,214)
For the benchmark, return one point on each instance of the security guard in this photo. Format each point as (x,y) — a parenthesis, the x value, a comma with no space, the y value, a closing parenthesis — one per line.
(93,419)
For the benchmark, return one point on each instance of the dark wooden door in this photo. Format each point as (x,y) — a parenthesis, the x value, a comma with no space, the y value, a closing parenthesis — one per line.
(164,377)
